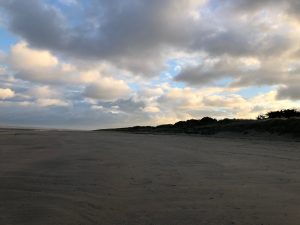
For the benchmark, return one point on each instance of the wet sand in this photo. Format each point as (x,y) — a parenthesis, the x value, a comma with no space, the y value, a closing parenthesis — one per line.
(109,178)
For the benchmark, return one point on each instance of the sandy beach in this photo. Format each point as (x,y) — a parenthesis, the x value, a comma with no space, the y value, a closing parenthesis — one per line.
(110,178)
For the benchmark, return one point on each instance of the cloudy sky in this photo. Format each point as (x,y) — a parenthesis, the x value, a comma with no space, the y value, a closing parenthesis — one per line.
(100,63)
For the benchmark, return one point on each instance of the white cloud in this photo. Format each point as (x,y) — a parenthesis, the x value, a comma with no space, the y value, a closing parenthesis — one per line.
(151,109)
(37,65)
(51,102)
(23,57)
(2,70)
(108,89)
(90,76)
(42,92)
(6,93)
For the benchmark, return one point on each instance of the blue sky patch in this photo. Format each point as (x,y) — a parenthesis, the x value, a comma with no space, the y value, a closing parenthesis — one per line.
(7,39)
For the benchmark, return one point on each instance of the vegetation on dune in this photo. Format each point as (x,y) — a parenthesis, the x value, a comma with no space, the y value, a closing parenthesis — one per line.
(286,113)
(280,122)
(193,122)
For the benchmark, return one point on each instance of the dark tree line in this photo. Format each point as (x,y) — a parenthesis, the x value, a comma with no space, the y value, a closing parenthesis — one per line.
(191,123)
(286,113)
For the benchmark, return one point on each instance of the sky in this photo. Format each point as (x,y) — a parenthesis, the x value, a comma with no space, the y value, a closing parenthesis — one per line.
(101,64)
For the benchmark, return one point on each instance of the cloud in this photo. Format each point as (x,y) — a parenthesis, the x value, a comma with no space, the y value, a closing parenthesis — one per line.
(2,71)
(109,30)
(37,65)
(268,102)
(289,92)
(214,69)
(41,66)
(253,5)
(68,2)
(186,103)
(35,21)
(30,114)
(6,93)
(151,109)
(26,58)
(108,89)
(45,102)
(2,56)
(230,101)
(242,71)
(42,92)
(141,62)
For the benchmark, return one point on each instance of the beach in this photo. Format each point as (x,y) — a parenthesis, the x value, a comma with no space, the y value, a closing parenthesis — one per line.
(112,178)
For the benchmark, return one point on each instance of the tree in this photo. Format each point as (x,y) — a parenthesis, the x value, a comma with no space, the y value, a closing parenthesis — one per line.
(286,113)
(261,117)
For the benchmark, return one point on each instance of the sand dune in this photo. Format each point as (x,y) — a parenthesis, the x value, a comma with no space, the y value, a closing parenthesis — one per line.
(82,178)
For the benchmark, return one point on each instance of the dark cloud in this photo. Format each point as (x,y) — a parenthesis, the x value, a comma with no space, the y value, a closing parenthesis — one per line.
(128,105)
(109,30)
(292,7)
(78,116)
(138,35)
(289,92)
(208,72)
(241,72)
(251,5)
(34,21)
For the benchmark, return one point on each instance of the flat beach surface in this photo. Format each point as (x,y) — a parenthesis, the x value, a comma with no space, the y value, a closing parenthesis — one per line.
(110,178)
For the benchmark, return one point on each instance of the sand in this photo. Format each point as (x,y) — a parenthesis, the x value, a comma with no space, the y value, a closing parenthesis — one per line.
(82,178)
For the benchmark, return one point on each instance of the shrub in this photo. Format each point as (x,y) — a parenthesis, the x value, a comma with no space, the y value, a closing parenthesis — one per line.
(286,113)
(208,120)
(261,117)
